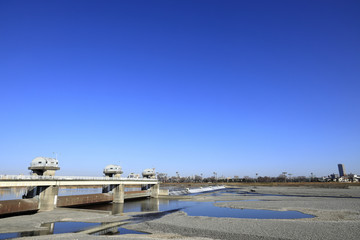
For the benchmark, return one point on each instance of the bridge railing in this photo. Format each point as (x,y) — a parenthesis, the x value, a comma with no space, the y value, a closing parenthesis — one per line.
(33,177)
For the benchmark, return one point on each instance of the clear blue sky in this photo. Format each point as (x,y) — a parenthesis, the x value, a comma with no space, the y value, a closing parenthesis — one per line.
(235,87)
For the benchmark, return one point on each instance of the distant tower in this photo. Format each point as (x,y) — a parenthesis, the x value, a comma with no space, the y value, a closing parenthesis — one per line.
(149,173)
(44,166)
(341,170)
(113,171)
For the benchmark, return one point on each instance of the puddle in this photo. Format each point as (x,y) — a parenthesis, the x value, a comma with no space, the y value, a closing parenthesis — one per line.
(195,209)
(9,235)
(66,227)
(69,227)
(207,209)
(117,231)
(52,228)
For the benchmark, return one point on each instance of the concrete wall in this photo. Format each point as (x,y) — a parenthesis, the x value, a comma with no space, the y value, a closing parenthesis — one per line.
(49,197)
(164,192)
(18,206)
(136,194)
(64,201)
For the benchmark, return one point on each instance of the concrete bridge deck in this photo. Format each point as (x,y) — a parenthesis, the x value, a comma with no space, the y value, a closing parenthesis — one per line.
(33,181)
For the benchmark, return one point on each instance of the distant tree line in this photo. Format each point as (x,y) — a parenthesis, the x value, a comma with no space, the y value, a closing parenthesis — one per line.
(162,177)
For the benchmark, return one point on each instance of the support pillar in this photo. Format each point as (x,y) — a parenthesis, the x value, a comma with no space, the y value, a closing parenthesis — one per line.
(119,193)
(155,190)
(48,197)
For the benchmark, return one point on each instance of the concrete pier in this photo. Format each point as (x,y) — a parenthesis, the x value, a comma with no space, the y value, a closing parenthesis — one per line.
(48,198)
(119,193)
(84,199)
(155,190)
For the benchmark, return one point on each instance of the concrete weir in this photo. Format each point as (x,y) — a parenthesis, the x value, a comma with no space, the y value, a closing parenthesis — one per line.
(18,206)
(46,200)
(43,187)
(43,192)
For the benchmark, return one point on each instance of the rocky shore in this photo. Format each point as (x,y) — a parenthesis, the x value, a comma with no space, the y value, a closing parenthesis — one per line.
(336,211)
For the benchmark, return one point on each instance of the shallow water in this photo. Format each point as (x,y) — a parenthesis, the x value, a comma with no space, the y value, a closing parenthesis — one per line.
(207,209)
(69,227)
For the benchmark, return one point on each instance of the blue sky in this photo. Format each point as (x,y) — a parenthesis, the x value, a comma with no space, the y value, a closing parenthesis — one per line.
(235,87)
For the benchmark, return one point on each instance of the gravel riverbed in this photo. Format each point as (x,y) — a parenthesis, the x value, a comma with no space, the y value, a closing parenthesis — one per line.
(336,211)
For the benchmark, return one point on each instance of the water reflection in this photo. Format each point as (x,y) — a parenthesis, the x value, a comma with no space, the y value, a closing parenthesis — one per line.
(146,205)
(132,205)
(47,228)
(196,209)
(117,208)
(151,205)
(117,231)
(12,193)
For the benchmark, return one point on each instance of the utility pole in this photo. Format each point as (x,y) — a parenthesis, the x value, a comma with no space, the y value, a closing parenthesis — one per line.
(284,173)
(56,154)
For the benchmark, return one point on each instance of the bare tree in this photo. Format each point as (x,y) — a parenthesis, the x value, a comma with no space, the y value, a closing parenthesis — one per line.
(290,174)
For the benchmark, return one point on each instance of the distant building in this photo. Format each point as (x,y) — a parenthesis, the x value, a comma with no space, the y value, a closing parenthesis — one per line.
(333,177)
(354,177)
(341,170)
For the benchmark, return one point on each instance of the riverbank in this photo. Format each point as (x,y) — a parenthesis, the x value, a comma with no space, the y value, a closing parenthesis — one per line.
(336,211)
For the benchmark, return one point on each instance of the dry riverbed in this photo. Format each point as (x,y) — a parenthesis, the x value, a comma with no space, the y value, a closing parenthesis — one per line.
(336,211)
